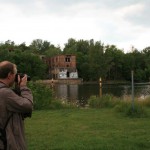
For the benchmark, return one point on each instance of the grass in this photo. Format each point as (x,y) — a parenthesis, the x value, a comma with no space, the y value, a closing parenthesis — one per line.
(86,129)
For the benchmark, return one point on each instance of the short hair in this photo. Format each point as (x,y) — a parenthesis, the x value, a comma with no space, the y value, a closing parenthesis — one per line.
(6,67)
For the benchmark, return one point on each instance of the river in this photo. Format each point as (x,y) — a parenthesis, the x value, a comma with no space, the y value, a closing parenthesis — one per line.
(81,92)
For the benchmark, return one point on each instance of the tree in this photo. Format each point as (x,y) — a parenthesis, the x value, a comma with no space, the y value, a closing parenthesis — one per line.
(30,64)
(70,47)
(53,51)
(22,47)
(8,45)
(146,53)
(115,57)
(41,47)
(96,60)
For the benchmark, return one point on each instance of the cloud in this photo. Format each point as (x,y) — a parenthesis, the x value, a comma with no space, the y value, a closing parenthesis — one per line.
(122,23)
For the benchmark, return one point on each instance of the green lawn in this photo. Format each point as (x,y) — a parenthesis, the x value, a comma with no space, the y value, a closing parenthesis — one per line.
(86,129)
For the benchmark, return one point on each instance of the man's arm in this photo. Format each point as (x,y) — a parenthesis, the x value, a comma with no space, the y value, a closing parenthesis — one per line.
(21,104)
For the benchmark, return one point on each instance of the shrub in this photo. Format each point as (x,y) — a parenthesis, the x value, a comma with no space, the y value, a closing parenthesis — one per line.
(42,95)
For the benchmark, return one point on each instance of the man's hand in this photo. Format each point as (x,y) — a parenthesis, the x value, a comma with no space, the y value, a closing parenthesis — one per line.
(22,81)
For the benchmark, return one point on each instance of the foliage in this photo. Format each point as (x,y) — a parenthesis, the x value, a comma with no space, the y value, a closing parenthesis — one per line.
(32,64)
(42,95)
(94,59)
(41,47)
(26,63)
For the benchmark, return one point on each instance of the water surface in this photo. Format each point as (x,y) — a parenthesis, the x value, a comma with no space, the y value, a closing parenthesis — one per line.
(82,92)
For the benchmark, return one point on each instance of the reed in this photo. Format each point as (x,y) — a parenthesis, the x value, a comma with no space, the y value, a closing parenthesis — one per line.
(105,101)
(124,106)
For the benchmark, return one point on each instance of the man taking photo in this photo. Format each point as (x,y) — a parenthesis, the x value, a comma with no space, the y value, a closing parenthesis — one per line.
(13,107)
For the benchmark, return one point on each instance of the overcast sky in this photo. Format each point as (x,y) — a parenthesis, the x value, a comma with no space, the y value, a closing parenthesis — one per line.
(124,23)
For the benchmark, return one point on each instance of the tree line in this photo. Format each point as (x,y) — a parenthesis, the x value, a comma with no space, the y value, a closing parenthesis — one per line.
(94,59)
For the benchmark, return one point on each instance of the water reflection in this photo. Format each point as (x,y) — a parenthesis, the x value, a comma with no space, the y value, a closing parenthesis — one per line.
(69,92)
(81,92)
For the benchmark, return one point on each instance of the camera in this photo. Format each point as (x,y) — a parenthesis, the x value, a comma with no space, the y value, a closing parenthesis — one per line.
(21,76)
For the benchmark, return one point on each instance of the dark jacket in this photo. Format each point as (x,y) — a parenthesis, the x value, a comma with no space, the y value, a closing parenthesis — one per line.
(17,106)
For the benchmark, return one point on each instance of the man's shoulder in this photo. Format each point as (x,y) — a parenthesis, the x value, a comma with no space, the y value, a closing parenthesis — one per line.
(5,89)
(2,85)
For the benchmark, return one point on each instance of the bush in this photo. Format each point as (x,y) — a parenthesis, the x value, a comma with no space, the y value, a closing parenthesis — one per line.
(42,95)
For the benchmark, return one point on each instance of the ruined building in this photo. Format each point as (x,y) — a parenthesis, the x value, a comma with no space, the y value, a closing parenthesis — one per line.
(62,67)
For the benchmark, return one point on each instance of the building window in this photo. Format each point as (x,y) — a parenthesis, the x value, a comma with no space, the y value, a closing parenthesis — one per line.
(67,59)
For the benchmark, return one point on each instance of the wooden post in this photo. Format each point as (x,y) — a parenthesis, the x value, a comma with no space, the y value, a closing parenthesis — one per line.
(100,84)
(52,82)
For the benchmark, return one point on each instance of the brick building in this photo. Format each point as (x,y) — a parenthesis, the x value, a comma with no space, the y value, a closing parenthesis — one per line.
(62,67)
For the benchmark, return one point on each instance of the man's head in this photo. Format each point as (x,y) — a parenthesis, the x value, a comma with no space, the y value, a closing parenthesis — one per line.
(8,71)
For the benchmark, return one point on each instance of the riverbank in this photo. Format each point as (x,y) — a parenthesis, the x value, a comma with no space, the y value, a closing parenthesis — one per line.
(78,129)
(80,81)
(61,81)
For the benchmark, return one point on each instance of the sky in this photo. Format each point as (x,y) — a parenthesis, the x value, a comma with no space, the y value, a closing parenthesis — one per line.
(124,23)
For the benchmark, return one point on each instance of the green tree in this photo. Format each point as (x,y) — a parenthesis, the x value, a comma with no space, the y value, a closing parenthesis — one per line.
(116,62)
(30,64)
(8,45)
(23,47)
(41,47)
(70,47)
(53,51)
(96,60)
(135,61)
(146,53)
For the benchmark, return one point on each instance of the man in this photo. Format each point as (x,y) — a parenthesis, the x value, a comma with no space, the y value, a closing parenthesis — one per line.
(13,107)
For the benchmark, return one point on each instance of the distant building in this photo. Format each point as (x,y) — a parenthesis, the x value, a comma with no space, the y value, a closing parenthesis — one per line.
(62,66)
